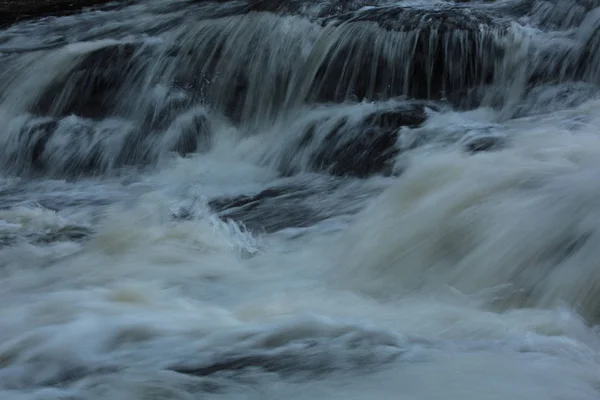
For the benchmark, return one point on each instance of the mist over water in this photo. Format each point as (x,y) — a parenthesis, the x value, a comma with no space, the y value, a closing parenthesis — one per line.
(256,199)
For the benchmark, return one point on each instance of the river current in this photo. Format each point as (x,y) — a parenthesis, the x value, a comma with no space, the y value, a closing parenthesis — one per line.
(315,199)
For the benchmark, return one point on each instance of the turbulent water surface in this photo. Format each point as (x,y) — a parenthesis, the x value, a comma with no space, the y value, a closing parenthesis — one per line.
(307,199)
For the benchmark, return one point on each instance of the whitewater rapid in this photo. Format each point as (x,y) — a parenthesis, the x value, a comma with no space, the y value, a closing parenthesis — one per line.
(406,300)
(280,234)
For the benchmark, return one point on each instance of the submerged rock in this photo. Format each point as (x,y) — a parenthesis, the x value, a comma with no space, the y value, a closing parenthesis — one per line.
(72,146)
(273,209)
(307,354)
(485,143)
(95,83)
(343,146)
(298,202)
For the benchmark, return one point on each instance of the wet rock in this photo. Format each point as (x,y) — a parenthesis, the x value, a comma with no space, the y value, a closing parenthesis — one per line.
(370,152)
(546,14)
(272,209)
(299,202)
(553,65)
(405,19)
(485,143)
(376,53)
(588,58)
(284,364)
(24,152)
(193,135)
(66,234)
(243,66)
(311,357)
(226,203)
(12,11)
(392,51)
(189,133)
(565,57)
(574,60)
(310,8)
(560,14)
(350,148)
(199,10)
(552,98)
(95,84)
(72,146)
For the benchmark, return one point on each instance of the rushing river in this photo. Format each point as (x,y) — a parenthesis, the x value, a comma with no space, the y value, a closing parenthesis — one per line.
(306,199)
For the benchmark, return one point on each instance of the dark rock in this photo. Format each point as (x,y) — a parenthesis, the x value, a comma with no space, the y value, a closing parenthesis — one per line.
(354,149)
(546,14)
(199,10)
(370,152)
(299,202)
(588,60)
(553,65)
(25,153)
(485,143)
(92,88)
(272,209)
(560,14)
(348,149)
(310,8)
(239,66)
(393,51)
(193,136)
(188,133)
(71,147)
(235,364)
(66,234)
(283,364)
(407,19)
(410,115)
(371,54)
(309,357)
(12,11)
(574,60)
(220,205)
(553,98)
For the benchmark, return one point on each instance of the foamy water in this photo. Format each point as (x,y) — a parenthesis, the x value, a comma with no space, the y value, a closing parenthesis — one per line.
(451,275)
